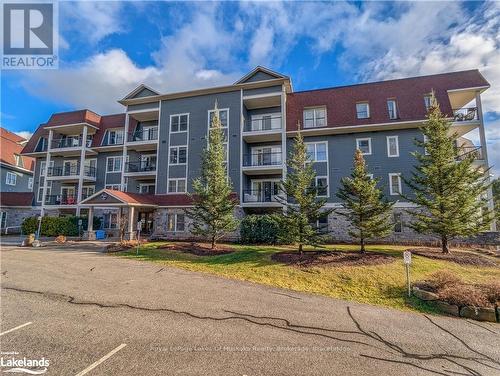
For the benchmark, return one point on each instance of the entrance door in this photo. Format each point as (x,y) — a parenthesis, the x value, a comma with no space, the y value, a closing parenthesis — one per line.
(146,219)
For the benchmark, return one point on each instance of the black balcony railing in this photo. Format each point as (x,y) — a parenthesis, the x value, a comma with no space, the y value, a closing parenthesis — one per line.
(69,142)
(475,152)
(267,123)
(142,166)
(88,171)
(465,114)
(60,200)
(261,195)
(262,159)
(148,134)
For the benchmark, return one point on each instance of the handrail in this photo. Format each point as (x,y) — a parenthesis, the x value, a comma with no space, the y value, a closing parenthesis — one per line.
(142,166)
(149,134)
(88,171)
(269,123)
(465,114)
(467,151)
(262,159)
(262,195)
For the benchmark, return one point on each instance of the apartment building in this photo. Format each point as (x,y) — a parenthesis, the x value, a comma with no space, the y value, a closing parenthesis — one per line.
(16,181)
(141,163)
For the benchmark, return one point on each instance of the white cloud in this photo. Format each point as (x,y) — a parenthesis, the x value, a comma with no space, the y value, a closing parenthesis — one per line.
(24,134)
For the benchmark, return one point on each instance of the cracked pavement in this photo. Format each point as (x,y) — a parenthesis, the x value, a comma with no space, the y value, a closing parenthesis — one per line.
(83,304)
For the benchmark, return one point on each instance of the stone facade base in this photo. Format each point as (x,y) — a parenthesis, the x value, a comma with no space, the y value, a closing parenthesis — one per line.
(15,217)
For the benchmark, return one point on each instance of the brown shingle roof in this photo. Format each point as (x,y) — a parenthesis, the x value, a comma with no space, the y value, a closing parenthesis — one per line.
(16,198)
(408,92)
(10,146)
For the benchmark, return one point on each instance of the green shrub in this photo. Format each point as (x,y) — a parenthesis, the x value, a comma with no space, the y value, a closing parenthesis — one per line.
(55,226)
(260,229)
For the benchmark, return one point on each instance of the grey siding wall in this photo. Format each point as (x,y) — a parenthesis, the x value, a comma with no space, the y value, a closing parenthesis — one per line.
(21,180)
(196,137)
(143,106)
(341,150)
(263,90)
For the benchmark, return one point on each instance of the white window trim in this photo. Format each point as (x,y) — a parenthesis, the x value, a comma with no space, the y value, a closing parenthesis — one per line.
(395,108)
(358,140)
(176,185)
(107,164)
(68,188)
(314,116)
(3,215)
(175,222)
(30,184)
(179,116)
(388,138)
(218,110)
(177,147)
(370,176)
(7,180)
(108,135)
(110,186)
(316,150)
(49,190)
(327,185)
(392,193)
(425,149)
(367,110)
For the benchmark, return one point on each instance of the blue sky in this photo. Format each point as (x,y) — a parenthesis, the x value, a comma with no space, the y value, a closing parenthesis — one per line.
(108,48)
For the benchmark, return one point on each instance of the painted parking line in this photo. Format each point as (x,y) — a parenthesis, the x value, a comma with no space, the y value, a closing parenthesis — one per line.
(103,359)
(17,327)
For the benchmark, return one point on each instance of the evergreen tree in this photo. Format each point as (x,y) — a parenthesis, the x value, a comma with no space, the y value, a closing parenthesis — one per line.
(303,208)
(368,211)
(213,205)
(449,191)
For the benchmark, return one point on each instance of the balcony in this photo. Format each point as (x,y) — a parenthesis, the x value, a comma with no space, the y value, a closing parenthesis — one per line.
(465,114)
(261,197)
(141,168)
(263,163)
(69,146)
(269,128)
(476,152)
(61,200)
(143,139)
(71,172)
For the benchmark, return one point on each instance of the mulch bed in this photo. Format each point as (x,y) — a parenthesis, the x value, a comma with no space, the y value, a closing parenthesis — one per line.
(198,249)
(332,258)
(458,257)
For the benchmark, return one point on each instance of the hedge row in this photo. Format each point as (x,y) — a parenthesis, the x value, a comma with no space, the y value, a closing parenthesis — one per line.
(261,229)
(55,226)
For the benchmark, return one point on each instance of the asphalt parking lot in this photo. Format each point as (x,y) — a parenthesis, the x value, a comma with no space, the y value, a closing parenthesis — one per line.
(88,313)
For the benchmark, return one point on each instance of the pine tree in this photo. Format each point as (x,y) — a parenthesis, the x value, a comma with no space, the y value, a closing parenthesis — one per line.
(303,209)
(367,210)
(448,190)
(213,205)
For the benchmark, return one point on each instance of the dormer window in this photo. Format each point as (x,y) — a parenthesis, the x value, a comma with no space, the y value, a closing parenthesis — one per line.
(428,101)
(392,109)
(314,117)
(363,110)
(19,160)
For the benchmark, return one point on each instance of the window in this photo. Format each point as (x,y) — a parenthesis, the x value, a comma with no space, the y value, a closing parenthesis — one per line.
(364,145)
(395,184)
(398,222)
(30,184)
(427,101)
(147,188)
(392,146)
(426,139)
(322,224)
(315,117)
(392,109)
(115,138)
(317,151)
(43,164)
(370,176)
(88,191)
(11,178)
(362,110)
(179,123)
(177,185)
(40,190)
(223,117)
(114,187)
(110,220)
(114,164)
(3,219)
(175,222)
(322,185)
(42,144)
(19,160)
(178,155)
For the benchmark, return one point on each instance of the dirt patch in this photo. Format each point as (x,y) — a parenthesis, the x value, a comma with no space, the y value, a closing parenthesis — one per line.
(332,258)
(198,249)
(458,257)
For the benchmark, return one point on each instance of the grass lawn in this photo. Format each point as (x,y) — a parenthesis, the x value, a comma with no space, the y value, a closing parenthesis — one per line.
(379,284)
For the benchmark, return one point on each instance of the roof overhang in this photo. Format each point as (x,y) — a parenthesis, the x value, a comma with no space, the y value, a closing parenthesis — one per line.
(69,129)
(460,97)
(121,202)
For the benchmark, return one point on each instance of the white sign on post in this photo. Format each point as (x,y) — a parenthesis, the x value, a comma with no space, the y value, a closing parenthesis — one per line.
(407,261)
(407,257)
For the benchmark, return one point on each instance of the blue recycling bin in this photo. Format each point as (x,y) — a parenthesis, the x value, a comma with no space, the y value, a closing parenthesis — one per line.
(100,235)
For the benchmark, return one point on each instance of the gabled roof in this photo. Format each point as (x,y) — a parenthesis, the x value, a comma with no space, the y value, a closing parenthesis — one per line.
(260,73)
(74,117)
(141,91)
(10,145)
(119,198)
(16,199)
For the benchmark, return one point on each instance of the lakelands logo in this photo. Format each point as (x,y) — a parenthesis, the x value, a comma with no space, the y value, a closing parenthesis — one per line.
(30,35)
(24,365)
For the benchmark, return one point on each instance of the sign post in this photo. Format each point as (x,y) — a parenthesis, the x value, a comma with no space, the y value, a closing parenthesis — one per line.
(407,261)
(139,226)
(80,223)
